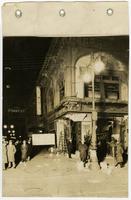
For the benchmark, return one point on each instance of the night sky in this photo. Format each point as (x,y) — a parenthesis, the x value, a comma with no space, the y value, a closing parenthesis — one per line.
(23,58)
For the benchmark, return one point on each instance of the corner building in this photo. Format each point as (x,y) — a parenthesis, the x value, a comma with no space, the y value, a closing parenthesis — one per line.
(66,90)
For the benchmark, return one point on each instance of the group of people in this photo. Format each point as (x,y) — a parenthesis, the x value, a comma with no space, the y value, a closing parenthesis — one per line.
(84,149)
(119,153)
(15,152)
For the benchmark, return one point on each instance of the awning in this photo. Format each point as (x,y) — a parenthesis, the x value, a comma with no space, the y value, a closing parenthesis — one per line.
(78,117)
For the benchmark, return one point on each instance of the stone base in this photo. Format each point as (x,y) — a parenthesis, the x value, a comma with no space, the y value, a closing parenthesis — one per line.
(94,161)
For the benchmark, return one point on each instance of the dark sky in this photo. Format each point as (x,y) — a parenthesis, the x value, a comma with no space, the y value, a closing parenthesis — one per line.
(23,58)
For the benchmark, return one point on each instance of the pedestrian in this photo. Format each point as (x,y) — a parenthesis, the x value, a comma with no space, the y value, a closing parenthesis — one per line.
(69,147)
(18,151)
(119,155)
(4,155)
(11,150)
(29,151)
(83,149)
(24,150)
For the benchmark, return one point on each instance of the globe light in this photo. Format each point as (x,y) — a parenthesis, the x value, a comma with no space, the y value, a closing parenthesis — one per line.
(99,66)
(5,126)
(13,131)
(9,131)
(7,86)
(87,77)
(11,126)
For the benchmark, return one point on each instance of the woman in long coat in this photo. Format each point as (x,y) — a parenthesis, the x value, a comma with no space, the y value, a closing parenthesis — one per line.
(24,151)
(11,150)
(83,149)
(119,155)
(4,153)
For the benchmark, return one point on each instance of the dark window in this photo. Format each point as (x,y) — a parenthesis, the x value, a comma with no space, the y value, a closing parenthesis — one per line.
(88,90)
(115,78)
(86,93)
(51,100)
(105,77)
(111,91)
(97,78)
(62,89)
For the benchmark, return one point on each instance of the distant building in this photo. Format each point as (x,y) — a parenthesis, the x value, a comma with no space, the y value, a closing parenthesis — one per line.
(65,96)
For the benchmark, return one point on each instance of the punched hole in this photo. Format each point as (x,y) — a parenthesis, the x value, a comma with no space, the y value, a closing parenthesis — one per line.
(109,11)
(18,13)
(62,12)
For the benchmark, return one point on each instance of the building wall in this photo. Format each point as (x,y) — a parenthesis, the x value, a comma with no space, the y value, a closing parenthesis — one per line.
(68,72)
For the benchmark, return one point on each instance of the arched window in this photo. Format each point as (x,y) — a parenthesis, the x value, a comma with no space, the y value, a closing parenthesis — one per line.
(50,100)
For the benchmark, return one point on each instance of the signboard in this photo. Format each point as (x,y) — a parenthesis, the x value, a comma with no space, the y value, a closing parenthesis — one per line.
(43,139)
(38,100)
(78,117)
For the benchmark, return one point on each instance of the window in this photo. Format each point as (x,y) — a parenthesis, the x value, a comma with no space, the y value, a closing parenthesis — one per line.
(50,100)
(106,77)
(115,78)
(111,91)
(62,89)
(88,90)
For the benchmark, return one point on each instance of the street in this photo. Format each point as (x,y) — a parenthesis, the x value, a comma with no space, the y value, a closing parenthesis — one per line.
(51,175)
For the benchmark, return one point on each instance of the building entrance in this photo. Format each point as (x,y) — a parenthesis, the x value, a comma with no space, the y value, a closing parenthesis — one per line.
(76,135)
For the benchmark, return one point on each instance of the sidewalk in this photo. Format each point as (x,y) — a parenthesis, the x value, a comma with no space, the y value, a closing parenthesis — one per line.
(58,176)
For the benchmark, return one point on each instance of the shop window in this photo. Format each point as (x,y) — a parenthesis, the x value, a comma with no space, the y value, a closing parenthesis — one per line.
(88,90)
(111,91)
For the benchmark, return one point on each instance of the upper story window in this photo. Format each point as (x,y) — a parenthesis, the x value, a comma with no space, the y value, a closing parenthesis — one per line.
(88,90)
(61,88)
(50,100)
(104,84)
(111,91)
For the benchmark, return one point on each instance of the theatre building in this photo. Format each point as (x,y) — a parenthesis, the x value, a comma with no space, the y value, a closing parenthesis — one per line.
(74,68)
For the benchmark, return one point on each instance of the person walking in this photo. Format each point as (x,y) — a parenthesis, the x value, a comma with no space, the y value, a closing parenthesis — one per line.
(4,154)
(11,150)
(119,155)
(24,150)
(69,147)
(29,151)
(83,149)
(18,151)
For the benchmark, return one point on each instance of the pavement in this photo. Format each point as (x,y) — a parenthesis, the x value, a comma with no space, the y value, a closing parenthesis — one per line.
(51,175)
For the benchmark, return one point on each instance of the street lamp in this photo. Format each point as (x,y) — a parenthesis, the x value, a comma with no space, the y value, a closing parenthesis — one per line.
(5,126)
(94,67)
(11,126)
(97,66)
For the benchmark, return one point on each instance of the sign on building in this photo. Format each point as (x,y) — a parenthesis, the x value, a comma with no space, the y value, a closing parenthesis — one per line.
(38,101)
(43,139)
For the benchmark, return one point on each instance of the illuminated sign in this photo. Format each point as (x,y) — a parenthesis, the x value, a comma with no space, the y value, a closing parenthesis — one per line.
(38,101)
(43,139)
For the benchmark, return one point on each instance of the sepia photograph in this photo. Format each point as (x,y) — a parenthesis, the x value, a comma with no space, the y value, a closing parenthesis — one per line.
(65,116)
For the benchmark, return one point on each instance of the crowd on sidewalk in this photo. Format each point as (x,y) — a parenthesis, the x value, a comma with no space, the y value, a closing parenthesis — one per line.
(15,152)
(114,148)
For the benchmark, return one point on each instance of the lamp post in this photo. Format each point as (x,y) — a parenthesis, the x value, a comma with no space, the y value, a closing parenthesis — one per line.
(93,152)
(89,66)
(96,66)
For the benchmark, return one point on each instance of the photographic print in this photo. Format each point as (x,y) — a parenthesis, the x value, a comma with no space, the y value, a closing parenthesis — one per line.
(65,123)
(65,100)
